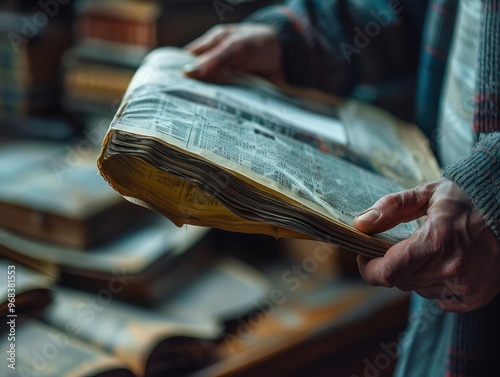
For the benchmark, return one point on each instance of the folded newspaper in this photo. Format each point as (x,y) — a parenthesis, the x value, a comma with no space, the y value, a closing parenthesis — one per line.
(248,158)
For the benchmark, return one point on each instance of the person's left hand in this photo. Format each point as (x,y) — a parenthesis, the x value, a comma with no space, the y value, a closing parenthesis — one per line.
(245,47)
(453,258)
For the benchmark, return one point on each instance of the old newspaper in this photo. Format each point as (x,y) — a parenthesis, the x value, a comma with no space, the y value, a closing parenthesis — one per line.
(247,158)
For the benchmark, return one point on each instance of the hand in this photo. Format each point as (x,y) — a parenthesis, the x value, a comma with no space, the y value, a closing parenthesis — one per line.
(453,258)
(252,48)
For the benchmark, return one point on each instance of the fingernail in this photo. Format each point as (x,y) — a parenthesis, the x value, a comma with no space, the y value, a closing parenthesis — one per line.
(190,68)
(369,216)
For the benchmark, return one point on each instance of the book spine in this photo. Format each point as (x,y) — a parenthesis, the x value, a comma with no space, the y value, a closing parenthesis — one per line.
(97,83)
(121,30)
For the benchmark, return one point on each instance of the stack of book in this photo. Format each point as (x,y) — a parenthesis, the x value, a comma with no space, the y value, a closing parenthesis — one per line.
(113,37)
(231,320)
(57,212)
(111,40)
(112,287)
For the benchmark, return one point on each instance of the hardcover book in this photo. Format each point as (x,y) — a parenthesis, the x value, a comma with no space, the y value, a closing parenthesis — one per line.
(142,265)
(51,192)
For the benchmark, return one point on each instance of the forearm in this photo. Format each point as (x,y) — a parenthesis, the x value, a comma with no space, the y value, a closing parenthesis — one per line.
(334,45)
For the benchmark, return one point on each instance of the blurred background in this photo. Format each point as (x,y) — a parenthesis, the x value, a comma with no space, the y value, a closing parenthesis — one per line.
(105,288)
(68,62)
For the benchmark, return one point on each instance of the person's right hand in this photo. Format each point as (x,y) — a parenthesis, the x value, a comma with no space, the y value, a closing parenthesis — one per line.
(252,48)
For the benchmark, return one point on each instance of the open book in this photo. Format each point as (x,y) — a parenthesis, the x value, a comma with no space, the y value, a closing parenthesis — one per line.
(248,158)
(149,343)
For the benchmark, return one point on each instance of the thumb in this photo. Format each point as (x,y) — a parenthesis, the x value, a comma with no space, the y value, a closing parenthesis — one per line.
(394,209)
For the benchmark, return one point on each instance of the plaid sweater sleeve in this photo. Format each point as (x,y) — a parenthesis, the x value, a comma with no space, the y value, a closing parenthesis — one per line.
(334,45)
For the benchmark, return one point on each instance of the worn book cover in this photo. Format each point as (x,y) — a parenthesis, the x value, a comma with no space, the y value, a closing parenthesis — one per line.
(51,192)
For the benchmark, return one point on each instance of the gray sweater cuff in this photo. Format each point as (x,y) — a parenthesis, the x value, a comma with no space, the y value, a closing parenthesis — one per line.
(479,176)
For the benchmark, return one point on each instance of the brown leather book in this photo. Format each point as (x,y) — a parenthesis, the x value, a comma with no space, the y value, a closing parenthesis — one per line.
(51,192)
(140,266)
(97,74)
(128,22)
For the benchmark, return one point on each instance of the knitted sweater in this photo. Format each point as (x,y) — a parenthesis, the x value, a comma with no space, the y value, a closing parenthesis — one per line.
(334,45)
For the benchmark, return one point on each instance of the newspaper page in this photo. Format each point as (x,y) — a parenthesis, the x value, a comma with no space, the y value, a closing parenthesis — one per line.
(298,156)
(360,133)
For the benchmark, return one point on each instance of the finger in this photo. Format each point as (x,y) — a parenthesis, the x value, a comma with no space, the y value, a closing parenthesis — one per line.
(438,242)
(394,209)
(460,303)
(212,62)
(207,41)
(446,300)
(454,304)
(371,271)
(436,291)
(400,262)
(439,270)
(415,283)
